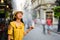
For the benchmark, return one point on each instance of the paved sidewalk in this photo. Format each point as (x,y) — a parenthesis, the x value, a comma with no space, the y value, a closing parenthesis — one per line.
(37,34)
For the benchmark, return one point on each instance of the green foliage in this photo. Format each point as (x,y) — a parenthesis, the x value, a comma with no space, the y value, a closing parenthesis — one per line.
(57,12)
(6,13)
(1,11)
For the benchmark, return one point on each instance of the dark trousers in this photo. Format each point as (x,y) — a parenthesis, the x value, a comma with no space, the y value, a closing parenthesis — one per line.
(58,28)
(43,28)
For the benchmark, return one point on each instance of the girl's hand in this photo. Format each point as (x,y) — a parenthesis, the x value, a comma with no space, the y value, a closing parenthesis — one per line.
(28,30)
(31,28)
(25,34)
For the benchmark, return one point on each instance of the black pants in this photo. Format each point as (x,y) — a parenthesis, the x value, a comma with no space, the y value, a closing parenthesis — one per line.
(43,28)
(58,28)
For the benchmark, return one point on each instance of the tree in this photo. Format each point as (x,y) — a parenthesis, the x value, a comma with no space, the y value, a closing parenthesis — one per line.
(57,13)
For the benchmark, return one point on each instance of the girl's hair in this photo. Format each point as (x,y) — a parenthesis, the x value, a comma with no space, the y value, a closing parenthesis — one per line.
(14,19)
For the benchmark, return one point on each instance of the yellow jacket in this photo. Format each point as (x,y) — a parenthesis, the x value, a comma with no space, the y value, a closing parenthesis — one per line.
(16,33)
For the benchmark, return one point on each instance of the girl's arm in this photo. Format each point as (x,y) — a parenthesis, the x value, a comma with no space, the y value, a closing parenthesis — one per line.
(9,32)
(28,31)
(8,37)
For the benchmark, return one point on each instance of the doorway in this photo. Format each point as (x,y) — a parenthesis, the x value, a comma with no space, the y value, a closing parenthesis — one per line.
(49,14)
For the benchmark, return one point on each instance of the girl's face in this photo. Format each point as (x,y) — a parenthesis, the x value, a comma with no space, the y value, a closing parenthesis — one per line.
(19,15)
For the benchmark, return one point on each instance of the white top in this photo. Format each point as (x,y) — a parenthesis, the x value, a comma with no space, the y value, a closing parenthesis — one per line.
(43,21)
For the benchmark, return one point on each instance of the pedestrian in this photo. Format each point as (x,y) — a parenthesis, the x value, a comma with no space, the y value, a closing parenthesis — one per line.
(16,27)
(43,24)
(49,25)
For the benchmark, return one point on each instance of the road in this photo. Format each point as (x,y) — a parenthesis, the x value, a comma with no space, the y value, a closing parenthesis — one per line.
(37,34)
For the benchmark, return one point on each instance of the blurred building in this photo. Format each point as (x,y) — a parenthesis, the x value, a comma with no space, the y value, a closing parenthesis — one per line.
(44,9)
(5,11)
(18,5)
(2,10)
(28,8)
(27,5)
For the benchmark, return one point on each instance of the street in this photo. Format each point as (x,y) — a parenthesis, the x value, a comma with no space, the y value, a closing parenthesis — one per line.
(37,34)
(30,12)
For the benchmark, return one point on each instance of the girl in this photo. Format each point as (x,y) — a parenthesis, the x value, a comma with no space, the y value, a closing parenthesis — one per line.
(16,27)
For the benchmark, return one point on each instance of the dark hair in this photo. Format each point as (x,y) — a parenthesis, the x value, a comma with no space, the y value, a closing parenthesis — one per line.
(14,19)
(20,20)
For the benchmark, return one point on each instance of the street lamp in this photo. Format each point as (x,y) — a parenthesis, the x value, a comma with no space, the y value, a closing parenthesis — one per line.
(7,6)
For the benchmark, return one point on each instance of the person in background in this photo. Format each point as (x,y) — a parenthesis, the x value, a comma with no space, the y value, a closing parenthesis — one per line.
(49,24)
(43,24)
(16,27)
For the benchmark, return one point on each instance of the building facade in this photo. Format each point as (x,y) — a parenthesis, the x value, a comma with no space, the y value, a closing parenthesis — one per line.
(18,5)
(44,9)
